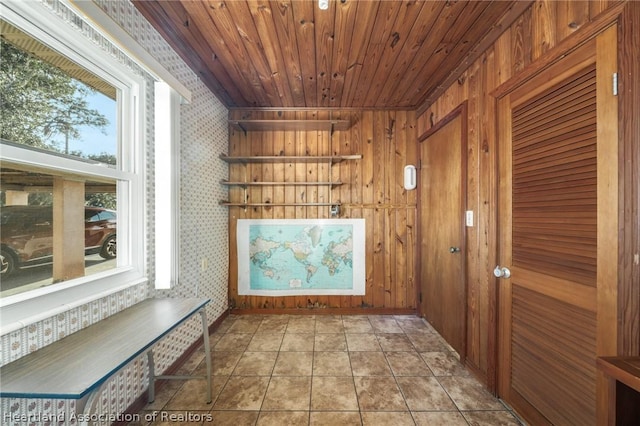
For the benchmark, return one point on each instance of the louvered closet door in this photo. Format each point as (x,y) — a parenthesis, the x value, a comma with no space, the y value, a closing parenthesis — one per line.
(549,306)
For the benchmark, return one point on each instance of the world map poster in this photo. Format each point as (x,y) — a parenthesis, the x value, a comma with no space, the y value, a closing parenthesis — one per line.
(296,257)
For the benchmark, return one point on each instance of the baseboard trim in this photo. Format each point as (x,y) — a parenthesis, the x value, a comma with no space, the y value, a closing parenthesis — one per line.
(324,311)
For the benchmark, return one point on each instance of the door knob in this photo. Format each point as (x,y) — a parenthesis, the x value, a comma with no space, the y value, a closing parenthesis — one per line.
(501,272)
(454,250)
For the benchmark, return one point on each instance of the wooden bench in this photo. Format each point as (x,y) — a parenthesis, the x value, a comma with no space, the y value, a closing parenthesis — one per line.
(76,366)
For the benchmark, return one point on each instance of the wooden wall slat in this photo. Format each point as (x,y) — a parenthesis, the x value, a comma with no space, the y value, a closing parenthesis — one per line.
(629,126)
(372,189)
(571,16)
(520,42)
(544,31)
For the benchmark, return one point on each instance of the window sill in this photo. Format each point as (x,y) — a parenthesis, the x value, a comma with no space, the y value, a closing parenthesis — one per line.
(19,312)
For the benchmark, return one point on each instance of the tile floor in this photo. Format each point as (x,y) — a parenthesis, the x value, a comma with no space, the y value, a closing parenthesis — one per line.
(328,370)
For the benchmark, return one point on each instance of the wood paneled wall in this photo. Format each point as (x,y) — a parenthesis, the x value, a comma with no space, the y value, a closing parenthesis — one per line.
(372,189)
(546,25)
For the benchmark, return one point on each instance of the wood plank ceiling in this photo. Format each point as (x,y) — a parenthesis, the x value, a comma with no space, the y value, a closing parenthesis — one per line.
(387,54)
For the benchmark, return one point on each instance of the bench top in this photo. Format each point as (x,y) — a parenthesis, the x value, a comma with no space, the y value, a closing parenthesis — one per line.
(625,369)
(75,365)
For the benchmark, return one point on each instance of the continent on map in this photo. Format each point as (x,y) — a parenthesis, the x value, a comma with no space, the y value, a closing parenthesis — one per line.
(260,251)
(338,253)
(315,233)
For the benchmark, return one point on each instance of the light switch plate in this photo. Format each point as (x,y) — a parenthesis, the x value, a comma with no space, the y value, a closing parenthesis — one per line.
(469,218)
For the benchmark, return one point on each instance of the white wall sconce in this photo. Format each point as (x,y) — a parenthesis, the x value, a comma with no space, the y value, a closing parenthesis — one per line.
(323,4)
(410,180)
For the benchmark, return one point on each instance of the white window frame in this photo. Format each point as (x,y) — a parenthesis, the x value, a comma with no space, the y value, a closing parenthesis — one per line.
(167,185)
(29,307)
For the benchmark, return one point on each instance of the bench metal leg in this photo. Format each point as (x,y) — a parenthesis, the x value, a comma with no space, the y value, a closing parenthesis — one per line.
(152,376)
(207,352)
(85,404)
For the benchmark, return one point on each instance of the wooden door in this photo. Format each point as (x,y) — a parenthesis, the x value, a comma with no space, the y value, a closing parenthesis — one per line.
(441,205)
(557,225)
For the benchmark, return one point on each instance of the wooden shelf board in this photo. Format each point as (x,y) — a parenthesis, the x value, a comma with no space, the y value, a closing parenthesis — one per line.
(244,184)
(289,158)
(230,204)
(290,125)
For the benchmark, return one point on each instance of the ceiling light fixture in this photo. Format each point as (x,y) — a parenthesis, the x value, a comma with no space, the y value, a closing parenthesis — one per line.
(323,4)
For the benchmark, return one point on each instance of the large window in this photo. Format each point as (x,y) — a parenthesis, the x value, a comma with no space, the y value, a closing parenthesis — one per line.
(72,165)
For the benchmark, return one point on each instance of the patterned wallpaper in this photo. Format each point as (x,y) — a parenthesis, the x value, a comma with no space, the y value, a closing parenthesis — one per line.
(203,231)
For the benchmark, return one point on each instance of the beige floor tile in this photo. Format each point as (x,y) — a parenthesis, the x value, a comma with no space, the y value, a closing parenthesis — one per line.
(331,364)
(282,418)
(490,418)
(387,418)
(439,418)
(297,342)
(367,342)
(192,396)
(222,363)
(273,325)
(294,364)
(407,364)
(242,393)
(265,342)
(301,324)
(424,394)
(469,394)
(369,364)
(233,342)
(233,418)
(330,342)
(329,325)
(379,394)
(333,393)
(413,325)
(385,324)
(444,364)
(428,342)
(394,342)
(288,393)
(192,363)
(335,418)
(256,364)
(217,383)
(225,325)
(165,390)
(243,325)
(357,325)
(179,418)
(214,338)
